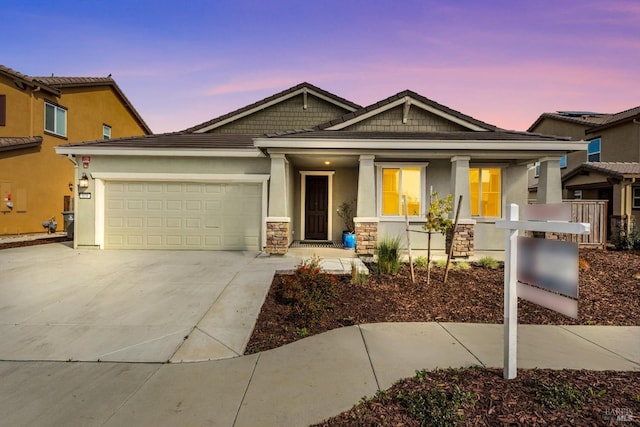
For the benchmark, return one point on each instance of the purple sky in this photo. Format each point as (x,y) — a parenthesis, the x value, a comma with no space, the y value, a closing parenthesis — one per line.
(183,62)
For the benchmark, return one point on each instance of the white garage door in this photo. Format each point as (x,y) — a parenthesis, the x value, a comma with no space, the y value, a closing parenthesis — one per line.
(182,215)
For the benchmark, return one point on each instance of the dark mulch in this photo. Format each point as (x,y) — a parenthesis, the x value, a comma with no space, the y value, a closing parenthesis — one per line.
(537,397)
(609,295)
(58,239)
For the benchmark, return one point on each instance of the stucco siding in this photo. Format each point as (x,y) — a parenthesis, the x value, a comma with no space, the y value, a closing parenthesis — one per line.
(620,143)
(39,175)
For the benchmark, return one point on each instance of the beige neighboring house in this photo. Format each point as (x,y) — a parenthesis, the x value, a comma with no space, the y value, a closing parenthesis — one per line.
(609,169)
(274,173)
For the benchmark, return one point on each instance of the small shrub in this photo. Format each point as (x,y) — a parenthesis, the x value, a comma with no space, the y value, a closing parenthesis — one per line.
(388,250)
(420,262)
(357,277)
(461,265)
(488,262)
(555,396)
(308,291)
(441,263)
(624,241)
(436,407)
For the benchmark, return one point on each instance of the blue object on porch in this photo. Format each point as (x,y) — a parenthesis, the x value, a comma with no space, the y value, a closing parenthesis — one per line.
(349,240)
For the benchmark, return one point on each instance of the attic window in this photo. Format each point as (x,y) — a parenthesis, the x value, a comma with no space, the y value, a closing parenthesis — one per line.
(106,132)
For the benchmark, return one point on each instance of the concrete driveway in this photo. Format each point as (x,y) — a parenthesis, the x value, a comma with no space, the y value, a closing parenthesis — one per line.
(60,304)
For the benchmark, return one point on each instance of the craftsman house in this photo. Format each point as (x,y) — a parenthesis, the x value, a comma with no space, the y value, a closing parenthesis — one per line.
(275,172)
(37,114)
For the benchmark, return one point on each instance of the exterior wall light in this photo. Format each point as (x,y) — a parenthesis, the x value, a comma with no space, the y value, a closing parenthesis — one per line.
(84,181)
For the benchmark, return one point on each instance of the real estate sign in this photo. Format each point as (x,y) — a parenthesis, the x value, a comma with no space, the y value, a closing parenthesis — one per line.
(547,274)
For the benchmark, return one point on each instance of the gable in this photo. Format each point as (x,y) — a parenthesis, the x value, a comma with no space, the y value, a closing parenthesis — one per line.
(291,113)
(418,113)
(414,120)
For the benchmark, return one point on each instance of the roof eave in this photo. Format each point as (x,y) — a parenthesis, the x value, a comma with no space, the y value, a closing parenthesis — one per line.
(157,152)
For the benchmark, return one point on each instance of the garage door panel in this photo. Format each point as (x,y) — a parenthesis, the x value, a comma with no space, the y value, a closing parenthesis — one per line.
(173,215)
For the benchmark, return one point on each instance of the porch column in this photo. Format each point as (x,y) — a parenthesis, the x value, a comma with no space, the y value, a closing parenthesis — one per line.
(366,220)
(463,238)
(549,182)
(277,222)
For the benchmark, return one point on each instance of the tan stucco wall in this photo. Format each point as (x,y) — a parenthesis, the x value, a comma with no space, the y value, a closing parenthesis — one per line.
(286,115)
(40,175)
(620,143)
(418,120)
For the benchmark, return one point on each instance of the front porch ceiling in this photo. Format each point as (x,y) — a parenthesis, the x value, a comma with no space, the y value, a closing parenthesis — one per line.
(318,161)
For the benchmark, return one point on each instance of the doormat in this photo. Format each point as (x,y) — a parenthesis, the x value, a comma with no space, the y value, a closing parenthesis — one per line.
(317,244)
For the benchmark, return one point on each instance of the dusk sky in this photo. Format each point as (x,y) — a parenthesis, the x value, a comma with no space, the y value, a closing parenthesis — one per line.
(184,62)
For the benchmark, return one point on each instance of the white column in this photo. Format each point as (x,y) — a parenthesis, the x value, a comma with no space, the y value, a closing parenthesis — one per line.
(366,206)
(460,184)
(550,181)
(278,186)
(510,297)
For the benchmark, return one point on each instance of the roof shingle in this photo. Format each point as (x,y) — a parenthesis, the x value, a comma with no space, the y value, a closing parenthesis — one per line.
(15,143)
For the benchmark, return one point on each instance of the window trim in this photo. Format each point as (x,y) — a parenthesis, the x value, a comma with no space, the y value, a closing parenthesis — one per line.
(635,197)
(423,189)
(480,167)
(104,134)
(56,109)
(599,152)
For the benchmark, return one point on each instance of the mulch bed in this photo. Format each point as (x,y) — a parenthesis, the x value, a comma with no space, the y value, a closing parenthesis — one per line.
(536,397)
(608,295)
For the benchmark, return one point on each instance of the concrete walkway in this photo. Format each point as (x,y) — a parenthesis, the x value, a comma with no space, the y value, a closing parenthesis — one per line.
(295,385)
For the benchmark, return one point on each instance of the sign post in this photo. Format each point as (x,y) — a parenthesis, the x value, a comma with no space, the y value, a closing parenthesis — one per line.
(532,278)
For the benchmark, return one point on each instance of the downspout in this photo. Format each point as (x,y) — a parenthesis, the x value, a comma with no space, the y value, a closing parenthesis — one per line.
(31,118)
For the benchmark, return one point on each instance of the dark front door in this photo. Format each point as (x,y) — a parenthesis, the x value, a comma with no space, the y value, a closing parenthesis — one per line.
(607,194)
(316,207)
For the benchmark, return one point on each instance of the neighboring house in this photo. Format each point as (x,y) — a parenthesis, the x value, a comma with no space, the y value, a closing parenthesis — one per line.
(37,114)
(275,171)
(610,168)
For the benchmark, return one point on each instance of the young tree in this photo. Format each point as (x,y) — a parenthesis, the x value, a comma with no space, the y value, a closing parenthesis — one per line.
(438,221)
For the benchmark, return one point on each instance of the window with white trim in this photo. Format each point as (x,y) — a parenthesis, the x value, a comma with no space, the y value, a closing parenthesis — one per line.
(55,119)
(563,162)
(635,195)
(485,188)
(106,132)
(537,169)
(593,150)
(396,181)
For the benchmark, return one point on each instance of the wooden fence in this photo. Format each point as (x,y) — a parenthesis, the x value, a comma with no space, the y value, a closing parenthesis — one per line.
(593,212)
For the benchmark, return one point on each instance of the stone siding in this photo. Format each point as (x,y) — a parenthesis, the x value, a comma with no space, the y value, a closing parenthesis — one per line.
(463,245)
(366,238)
(418,120)
(277,238)
(286,115)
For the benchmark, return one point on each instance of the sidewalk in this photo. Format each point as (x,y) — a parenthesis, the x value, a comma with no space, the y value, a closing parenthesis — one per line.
(295,385)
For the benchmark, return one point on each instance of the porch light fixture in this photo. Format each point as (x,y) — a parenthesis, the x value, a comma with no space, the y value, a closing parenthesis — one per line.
(327,162)
(84,181)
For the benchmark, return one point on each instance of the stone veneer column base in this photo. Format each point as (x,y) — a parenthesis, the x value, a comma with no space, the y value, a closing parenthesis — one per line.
(366,235)
(277,235)
(463,245)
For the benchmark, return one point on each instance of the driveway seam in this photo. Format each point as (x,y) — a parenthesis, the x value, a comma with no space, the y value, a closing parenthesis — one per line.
(598,345)
(244,395)
(133,393)
(204,315)
(463,346)
(366,349)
